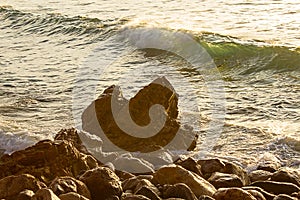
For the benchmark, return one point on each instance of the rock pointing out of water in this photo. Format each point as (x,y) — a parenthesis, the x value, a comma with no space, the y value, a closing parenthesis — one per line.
(145,123)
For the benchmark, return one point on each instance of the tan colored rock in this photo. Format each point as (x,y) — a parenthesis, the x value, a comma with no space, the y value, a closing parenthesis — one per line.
(287,175)
(11,186)
(232,193)
(267,195)
(72,196)
(45,194)
(222,180)
(135,197)
(256,194)
(260,175)
(284,197)
(147,191)
(191,165)
(25,195)
(68,184)
(102,183)
(135,183)
(178,190)
(47,160)
(205,197)
(209,166)
(277,187)
(173,174)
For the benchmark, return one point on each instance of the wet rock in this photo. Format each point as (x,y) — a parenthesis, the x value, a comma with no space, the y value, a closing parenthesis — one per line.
(102,183)
(296,194)
(123,175)
(256,194)
(191,165)
(150,192)
(138,109)
(72,196)
(205,197)
(222,180)
(135,183)
(287,175)
(277,187)
(284,197)
(173,174)
(267,195)
(232,193)
(11,186)
(72,136)
(178,190)
(134,197)
(209,166)
(25,195)
(68,184)
(45,194)
(260,175)
(268,162)
(47,160)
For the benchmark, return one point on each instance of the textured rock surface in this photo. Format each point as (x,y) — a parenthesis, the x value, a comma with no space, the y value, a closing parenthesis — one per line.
(277,187)
(45,194)
(72,196)
(68,184)
(284,197)
(173,174)
(47,160)
(178,190)
(287,175)
(222,180)
(11,186)
(260,175)
(191,165)
(102,183)
(232,193)
(158,92)
(209,166)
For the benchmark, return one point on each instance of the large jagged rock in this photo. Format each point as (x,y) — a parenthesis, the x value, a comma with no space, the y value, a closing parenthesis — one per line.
(102,183)
(11,186)
(47,160)
(137,125)
(173,174)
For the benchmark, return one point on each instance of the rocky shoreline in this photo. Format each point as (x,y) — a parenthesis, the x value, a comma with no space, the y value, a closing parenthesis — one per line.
(63,169)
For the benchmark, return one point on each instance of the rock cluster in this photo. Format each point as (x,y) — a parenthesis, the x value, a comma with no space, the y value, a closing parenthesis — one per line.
(62,170)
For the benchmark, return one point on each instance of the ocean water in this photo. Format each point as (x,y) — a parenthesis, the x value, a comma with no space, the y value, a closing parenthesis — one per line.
(254,46)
